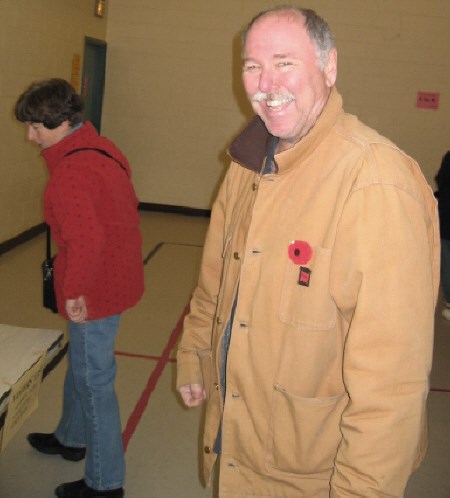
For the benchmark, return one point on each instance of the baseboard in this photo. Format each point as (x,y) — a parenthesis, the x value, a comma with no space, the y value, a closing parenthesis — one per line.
(21,238)
(167,208)
(143,206)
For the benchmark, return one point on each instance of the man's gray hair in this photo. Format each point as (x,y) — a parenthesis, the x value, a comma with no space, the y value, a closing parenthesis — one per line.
(317,28)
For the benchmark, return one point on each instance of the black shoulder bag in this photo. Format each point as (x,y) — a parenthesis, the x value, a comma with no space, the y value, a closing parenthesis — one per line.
(49,297)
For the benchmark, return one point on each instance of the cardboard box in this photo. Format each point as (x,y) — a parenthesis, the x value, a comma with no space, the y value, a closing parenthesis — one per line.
(24,355)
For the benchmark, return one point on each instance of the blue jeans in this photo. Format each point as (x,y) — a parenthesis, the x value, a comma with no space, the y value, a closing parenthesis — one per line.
(445,269)
(90,415)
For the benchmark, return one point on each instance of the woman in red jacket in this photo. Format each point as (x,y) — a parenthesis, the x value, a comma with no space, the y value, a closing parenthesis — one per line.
(91,207)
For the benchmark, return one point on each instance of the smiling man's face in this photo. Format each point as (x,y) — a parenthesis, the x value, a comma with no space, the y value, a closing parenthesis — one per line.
(282,77)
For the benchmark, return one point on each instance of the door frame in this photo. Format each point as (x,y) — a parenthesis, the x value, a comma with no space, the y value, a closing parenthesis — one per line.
(100,47)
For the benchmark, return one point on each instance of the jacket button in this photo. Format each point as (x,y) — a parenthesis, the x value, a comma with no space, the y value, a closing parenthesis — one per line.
(236,255)
(235,395)
(254,187)
(219,320)
(207,449)
(216,386)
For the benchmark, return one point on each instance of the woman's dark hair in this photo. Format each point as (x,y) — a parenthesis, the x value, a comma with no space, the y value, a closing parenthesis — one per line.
(50,102)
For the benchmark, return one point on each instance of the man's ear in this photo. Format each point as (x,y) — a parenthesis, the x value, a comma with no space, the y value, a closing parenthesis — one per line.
(330,69)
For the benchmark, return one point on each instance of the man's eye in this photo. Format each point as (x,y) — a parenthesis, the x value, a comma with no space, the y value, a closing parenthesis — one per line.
(251,68)
(284,64)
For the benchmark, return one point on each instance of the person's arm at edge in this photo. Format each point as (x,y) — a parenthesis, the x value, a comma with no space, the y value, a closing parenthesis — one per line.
(198,324)
(387,260)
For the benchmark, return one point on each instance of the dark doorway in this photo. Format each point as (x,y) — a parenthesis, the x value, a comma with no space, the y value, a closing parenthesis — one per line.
(93,82)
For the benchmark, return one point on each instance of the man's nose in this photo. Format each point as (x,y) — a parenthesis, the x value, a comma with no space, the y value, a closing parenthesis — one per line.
(267,80)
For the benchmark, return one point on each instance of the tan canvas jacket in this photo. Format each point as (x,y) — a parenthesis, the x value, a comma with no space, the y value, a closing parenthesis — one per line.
(336,257)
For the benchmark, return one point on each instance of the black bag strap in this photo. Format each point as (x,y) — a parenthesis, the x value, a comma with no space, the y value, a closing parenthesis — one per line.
(49,243)
(101,151)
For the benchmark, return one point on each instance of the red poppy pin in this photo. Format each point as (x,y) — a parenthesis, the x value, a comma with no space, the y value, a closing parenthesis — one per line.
(300,252)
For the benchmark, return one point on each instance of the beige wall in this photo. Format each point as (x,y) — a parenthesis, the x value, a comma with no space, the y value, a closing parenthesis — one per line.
(37,40)
(174,100)
(173,96)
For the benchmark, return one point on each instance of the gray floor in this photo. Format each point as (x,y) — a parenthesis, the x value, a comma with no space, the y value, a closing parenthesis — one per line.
(162,436)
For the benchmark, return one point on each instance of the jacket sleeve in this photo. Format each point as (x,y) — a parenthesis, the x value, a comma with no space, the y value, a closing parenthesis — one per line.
(195,343)
(384,281)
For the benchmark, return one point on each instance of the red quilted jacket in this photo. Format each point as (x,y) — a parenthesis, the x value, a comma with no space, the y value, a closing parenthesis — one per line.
(91,207)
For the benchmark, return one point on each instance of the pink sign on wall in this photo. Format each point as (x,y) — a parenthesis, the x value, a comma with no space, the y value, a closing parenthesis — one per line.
(427,100)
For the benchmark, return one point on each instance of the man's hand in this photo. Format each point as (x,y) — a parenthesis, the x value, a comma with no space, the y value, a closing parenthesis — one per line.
(76,309)
(192,394)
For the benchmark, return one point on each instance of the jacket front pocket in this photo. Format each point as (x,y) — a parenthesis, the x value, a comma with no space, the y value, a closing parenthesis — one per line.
(308,306)
(305,432)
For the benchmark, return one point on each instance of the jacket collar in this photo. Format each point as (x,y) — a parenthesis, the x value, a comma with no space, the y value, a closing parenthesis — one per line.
(84,137)
(54,154)
(251,146)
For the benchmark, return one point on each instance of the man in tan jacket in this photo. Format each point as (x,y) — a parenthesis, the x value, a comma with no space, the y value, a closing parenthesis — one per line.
(311,328)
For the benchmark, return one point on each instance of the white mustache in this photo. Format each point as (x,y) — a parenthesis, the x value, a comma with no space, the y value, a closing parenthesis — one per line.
(273,97)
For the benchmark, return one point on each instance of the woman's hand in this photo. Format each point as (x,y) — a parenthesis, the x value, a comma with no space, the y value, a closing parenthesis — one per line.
(76,309)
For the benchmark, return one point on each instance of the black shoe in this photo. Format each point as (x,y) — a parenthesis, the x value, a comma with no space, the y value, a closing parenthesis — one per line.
(48,444)
(79,489)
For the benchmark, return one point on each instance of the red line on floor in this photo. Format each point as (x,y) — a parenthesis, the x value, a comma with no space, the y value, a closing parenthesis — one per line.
(143,356)
(142,403)
(435,390)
